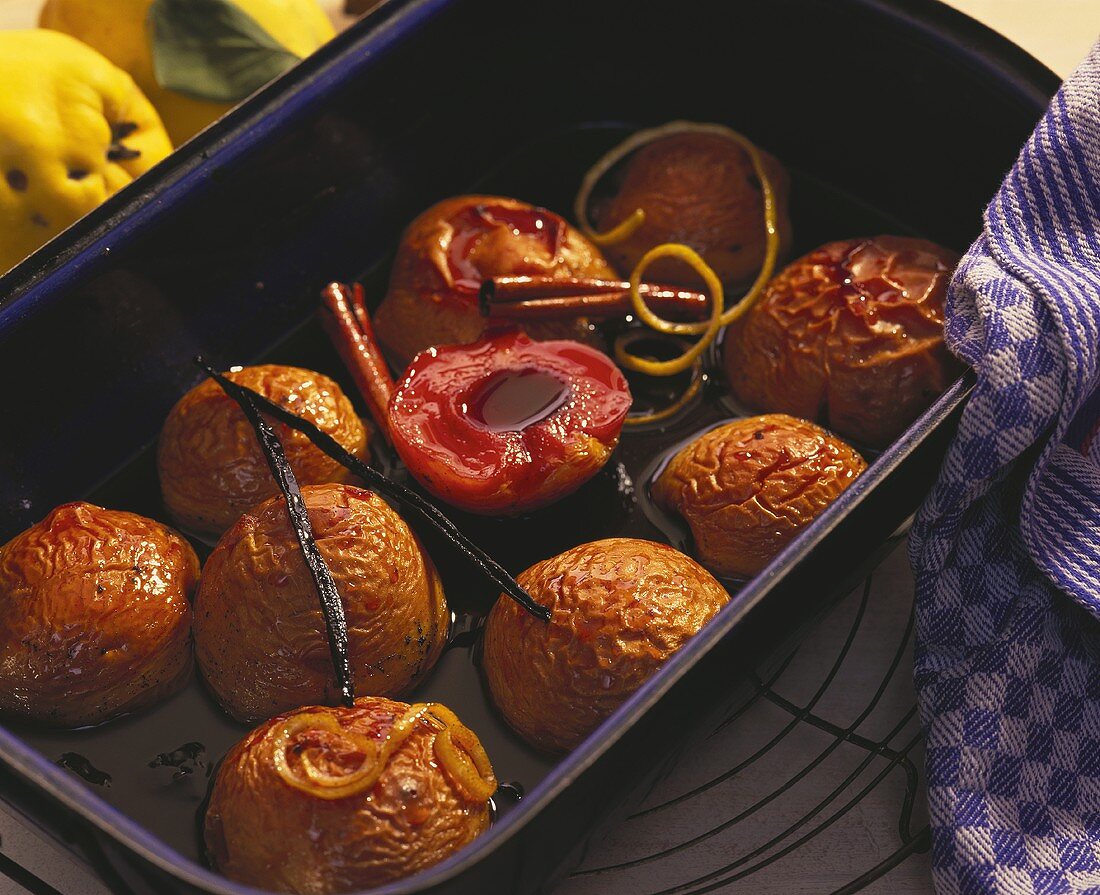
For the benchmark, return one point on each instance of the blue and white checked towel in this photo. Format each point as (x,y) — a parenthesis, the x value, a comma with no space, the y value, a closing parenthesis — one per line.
(1006,551)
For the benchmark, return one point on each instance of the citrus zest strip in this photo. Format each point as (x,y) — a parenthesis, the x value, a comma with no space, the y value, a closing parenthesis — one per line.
(466,763)
(709,329)
(621,232)
(629,225)
(470,770)
(316,783)
(674,406)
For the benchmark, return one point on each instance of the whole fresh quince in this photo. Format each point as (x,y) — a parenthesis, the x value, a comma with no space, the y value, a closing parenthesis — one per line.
(73,130)
(195,59)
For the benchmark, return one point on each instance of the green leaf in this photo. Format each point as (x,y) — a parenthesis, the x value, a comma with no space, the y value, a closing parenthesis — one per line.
(213,50)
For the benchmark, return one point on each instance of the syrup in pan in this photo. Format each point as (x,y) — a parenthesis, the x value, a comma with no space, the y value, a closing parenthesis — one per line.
(512,400)
(159,764)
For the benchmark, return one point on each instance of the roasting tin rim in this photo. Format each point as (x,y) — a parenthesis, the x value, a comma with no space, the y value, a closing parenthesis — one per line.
(45,274)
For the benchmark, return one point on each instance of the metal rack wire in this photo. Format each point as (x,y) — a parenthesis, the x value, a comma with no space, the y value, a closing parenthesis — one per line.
(814,785)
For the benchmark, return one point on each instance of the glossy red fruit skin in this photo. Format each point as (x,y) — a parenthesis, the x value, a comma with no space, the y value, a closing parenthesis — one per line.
(478,469)
(452,246)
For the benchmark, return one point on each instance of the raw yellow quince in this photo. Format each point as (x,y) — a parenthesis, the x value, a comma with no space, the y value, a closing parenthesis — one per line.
(234,40)
(73,130)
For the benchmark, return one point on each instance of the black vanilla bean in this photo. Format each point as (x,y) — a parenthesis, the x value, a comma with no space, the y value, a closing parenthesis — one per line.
(331,604)
(394,490)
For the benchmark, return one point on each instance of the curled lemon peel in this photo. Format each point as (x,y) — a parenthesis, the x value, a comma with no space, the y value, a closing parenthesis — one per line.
(461,754)
(621,232)
(627,227)
(709,329)
(673,407)
(771,232)
(320,784)
(471,772)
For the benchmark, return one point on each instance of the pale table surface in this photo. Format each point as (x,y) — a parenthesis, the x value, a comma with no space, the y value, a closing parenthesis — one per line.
(1058,32)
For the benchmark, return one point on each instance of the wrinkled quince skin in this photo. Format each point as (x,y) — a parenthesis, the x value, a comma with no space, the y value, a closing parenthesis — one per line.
(120,31)
(73,130)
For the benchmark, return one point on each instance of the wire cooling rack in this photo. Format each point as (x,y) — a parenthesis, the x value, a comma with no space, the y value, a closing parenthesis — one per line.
(813,786)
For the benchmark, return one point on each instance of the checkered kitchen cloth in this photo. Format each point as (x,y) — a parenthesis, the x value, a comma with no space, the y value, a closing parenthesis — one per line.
(1006,550)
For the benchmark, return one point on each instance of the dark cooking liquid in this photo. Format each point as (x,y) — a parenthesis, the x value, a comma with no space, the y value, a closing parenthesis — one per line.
(84,769)
(512,400)
(159,762)
(190,758)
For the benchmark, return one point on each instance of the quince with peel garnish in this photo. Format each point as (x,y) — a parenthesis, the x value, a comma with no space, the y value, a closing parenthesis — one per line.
(74,129)
(195,59)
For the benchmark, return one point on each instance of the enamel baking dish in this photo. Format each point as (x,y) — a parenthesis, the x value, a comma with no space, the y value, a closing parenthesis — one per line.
(907,112)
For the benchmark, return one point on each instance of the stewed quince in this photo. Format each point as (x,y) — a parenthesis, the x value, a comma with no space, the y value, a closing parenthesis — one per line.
(210,465)
(851,336)
(619,608)
(260,632)
(456,244)
(326,800)
(94,615)
(688,183)
(748,487)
